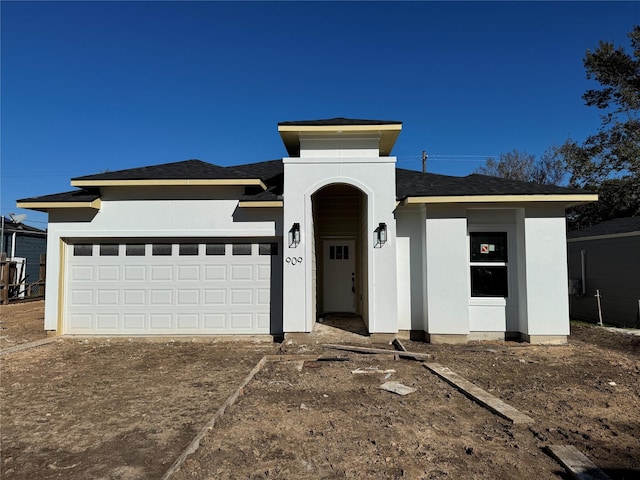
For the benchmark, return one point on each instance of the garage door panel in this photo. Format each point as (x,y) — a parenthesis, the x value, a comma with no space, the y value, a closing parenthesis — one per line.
(107,297)
(81,321)
(134,298)
(241,272)
(215,296)
(169,294)
(264,320)
(81,297)
(160,321)
(82,273)
(215,272)
(135,272)
(161,273)
(188,272)
(264,273)
(108,273)
(107,321)
(187,321)
(264,296)
(215,321)
(160,297)
(133,321)
(241,296)
(188,297)
(241,321)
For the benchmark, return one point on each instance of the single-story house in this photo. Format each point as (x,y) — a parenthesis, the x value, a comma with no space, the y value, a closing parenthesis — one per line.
(268,248)
(25,245)
(605,259)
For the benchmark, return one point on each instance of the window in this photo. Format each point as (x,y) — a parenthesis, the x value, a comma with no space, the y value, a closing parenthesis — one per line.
(216,248)
(268,249)
(241,249)
(339,252)
(135,250)
(109,250)
(489,264)
(161,249)
(188,249)
(82,250)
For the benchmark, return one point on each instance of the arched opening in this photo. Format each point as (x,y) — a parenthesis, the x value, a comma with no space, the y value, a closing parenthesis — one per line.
(340,256)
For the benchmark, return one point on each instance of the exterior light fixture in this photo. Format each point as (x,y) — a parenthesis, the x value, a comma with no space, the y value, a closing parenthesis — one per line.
(381,234)
(294,235)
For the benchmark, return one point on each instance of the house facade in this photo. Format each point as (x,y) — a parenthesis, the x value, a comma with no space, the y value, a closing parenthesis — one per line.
(191,248)
(24,245)
(604,259)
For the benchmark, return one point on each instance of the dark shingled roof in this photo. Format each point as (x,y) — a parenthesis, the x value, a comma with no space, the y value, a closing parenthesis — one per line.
(186,169)
(610,227)
(409,183)
(84,195)
(10,227)
(339,121)
(263,170)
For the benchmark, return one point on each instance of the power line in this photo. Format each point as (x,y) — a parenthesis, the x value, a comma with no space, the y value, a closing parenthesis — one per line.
(442,155)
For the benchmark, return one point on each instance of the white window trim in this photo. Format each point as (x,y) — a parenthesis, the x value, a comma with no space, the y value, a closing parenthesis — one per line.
(497,228)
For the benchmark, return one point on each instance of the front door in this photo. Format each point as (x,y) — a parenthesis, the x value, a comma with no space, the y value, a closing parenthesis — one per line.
(339,272)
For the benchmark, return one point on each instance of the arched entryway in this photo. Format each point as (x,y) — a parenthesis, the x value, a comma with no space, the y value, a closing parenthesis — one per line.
(340,236)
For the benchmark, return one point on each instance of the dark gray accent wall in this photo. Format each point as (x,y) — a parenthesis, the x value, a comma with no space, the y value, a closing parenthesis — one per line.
(31,248)
(613,267)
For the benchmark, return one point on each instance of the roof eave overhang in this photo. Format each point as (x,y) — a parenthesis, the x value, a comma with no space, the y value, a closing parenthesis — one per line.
(261,204)
(46,206)
(569,200)
(387,132)
(229,182)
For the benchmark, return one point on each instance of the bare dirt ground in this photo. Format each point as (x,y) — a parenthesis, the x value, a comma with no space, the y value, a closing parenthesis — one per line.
(120,409)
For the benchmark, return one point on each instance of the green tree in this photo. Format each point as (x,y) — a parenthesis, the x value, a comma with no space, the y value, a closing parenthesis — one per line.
(523,166)
(615,149)
(609,160)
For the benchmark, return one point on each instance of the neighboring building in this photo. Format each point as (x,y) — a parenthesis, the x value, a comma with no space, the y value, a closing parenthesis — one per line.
(267,248)
(606,258)
(25,244)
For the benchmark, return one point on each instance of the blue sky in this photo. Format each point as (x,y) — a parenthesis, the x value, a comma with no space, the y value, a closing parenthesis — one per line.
(90,86)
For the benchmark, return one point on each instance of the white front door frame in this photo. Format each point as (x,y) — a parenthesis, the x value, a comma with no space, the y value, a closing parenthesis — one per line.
(339,275)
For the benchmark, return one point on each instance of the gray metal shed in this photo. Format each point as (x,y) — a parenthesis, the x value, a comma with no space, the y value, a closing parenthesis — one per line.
(606,258)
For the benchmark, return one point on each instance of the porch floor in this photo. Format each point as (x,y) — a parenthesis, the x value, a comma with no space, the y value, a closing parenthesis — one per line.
(341,326)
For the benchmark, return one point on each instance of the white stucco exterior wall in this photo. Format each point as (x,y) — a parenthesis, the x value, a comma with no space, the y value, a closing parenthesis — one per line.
(410,225)
(154,217)
(547,302)
(446,266)
(350,161)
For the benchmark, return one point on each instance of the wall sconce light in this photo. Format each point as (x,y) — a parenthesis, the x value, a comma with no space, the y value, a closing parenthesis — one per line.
(381,234)
(294,235)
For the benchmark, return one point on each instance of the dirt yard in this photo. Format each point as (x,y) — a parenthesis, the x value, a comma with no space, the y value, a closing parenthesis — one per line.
(121,409)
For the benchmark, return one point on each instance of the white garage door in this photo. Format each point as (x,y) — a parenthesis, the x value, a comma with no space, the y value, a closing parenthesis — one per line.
(159,288)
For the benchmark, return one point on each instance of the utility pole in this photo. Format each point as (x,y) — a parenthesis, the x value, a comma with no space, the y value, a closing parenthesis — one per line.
(424,161)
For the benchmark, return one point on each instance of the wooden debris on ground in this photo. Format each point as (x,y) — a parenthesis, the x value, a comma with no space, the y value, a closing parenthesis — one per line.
(353,348)
(576,463)
(398,344)
(372,371)
(479,395)
(396,387)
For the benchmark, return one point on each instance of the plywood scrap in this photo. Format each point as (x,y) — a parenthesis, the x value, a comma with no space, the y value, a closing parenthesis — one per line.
(29,345)
(576,463)
(372,371)
(195,443)
(353,348)
(479,395)
(398,344)
(396,387)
